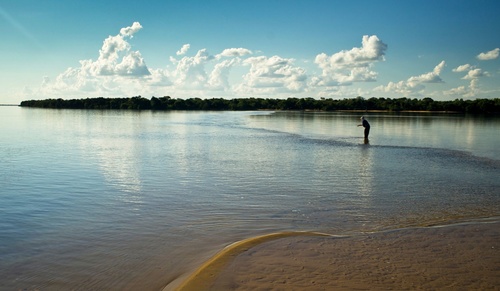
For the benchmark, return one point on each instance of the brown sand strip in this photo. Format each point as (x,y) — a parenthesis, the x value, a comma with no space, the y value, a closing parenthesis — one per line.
(458,257)
(203,277)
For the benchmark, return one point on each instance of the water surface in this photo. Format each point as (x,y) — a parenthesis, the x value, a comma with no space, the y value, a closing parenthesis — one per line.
(113,200)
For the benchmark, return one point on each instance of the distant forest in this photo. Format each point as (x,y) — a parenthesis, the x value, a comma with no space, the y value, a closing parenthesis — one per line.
(485,106)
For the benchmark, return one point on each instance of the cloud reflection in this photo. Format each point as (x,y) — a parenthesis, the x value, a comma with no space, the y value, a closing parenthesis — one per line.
(117,157)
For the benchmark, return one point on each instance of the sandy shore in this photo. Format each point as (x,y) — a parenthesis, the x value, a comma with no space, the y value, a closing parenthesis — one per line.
(458,257)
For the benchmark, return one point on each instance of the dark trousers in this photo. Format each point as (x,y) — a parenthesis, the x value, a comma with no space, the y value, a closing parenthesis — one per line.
(367,131)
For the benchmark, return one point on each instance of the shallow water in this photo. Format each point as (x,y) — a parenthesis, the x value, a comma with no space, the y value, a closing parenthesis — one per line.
(120,199)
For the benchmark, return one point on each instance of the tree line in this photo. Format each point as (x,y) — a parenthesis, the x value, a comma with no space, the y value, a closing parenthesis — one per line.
(486,106)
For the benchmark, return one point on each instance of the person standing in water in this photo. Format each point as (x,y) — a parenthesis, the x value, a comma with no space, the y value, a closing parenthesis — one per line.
(366,125)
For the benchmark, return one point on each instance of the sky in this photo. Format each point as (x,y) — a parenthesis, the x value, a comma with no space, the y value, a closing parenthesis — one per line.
(442,49)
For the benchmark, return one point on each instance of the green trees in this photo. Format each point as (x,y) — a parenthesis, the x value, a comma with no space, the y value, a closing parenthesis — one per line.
(488,106)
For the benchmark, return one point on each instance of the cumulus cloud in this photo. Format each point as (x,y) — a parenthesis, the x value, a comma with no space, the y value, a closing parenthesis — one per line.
(352,65)
(274,74)
(465,91)
(106,74)
(234,52)
(205,71)
(458,91)
(431,77)
(119,70)
(183,50)
(462,68)
(190,71)
(73,81)
(115,47)
(159,78)
(403,88)
(219,77)
(491,55)
(116,57)
(472,72)
(473,75)
(131,30)
(132,64)
(414,86)
(372,49)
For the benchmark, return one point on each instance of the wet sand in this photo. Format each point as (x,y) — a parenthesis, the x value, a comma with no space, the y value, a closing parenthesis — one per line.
(459,257)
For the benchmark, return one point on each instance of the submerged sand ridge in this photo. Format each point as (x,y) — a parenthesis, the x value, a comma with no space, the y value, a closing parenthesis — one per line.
(203,277)
(459,257)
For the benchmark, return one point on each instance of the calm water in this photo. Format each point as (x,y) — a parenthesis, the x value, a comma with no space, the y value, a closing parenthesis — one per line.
(114,200)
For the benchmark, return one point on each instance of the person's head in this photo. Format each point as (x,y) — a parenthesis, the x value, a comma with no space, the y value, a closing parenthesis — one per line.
(362,118)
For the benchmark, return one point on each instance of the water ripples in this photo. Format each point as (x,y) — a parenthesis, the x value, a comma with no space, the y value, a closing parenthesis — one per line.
(102,194)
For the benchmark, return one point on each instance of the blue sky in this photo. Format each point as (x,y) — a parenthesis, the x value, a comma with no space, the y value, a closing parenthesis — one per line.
(441,49)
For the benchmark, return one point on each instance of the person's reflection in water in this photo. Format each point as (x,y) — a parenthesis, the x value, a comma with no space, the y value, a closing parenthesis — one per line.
(366,125)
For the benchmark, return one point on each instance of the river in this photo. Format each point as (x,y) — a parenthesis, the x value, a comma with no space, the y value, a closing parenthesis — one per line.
(114,200)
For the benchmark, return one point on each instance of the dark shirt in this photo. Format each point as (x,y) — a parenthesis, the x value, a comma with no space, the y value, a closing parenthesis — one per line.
(366,124)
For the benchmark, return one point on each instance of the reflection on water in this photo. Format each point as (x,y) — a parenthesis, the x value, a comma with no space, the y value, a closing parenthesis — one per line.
(108,141)
(475,134)
(366,172)
(117,161)
(110,200)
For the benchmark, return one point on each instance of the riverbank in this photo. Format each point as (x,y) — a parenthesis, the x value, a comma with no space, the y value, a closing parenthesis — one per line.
(483,106)
(463,256)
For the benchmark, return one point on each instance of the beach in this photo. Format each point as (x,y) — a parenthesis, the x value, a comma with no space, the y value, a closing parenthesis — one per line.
(461,256)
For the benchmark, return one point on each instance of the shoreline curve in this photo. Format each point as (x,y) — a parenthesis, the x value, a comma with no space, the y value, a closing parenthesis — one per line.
(203,277)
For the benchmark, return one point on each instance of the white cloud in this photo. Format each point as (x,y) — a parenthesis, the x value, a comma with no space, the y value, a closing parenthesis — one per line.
(491,55)
(190,71)
(183,50)
(116,57)
(219,77)
(474,74)
(108,56)
(458,91)
(118,70)
(431,77)
(372,50)
(73,81)
(131,30)
(402,88)
(114,47)
(271,75)
(132,64)
(109,74)
(414,86)
(462,91)
(355,65)
(234,52)
(462,68)
(160,77)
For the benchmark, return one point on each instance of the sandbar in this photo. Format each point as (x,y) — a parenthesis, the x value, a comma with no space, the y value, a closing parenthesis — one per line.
(460,257)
